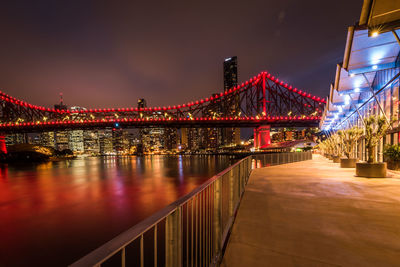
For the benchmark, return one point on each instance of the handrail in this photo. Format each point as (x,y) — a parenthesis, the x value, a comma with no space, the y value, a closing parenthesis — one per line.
(114,245)
(214,205)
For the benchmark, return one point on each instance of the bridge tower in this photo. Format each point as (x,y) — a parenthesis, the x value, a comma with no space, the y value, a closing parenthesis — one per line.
(262,138)
(3,147)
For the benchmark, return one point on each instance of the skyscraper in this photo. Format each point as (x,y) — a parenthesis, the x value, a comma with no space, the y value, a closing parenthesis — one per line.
(170,138)
(91,142)
(106,141)
(61,137)
(76,143)
(121,141)
(144,133)
(17,138)
(231,136)
(47,139)
(230,73)
(212,136)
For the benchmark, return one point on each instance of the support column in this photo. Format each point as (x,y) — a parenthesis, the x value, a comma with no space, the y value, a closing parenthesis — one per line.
(3,147)
(262,137)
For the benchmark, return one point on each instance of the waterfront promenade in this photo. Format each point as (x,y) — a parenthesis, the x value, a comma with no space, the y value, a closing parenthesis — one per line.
(314,213)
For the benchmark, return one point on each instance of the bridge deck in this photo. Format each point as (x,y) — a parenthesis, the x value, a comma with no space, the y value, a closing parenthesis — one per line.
(313,213)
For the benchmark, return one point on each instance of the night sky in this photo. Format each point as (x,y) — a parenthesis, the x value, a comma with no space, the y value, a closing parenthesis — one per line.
(110,53)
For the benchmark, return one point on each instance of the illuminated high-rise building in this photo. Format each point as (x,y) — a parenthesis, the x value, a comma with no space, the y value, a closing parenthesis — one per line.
(231,136)
(17,138)
(152,139)
(106,141)
(141,103)
(91,142)
(212,137)
(120,141)
(47,139)
(144,133)
(75,140)
(75,137)
(195,139)
(61,139)
(230,73)
(170,138)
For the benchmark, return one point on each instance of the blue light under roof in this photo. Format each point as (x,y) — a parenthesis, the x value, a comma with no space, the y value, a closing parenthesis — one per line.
(367,51)
(372,68)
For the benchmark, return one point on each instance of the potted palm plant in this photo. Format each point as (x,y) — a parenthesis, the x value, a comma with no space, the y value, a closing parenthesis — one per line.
(323,148)
(327,149)
(336,148)
(392,155)
(375,129)
(349,139)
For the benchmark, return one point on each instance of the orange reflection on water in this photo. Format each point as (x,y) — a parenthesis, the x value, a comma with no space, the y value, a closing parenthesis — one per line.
(56,212)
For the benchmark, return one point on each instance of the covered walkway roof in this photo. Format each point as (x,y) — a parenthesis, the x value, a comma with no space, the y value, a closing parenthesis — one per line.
(372,45)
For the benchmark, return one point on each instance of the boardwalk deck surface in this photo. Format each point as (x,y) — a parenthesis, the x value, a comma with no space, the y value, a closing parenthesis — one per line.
(313,213)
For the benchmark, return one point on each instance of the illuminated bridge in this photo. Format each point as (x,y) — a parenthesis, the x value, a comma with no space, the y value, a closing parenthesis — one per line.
(261,100)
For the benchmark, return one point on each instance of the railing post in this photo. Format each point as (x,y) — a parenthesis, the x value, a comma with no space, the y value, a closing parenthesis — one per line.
(248,168)
(217,216)
(173,238)
(232,189)
(239,175)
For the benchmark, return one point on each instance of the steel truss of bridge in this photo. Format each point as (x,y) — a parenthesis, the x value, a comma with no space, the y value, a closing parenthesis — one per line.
(261,100)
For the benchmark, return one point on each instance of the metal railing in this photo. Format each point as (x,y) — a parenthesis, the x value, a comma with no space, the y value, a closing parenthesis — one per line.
(265,160)
(193,230)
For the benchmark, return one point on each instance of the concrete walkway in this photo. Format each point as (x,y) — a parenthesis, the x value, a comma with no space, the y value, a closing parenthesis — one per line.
(313,213)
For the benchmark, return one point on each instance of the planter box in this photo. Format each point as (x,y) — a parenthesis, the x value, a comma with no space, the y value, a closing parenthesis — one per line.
(393,165)
(348,163)
(336,159)
(371,170)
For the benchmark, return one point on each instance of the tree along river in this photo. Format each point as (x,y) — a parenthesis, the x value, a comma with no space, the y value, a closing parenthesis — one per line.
(53,213)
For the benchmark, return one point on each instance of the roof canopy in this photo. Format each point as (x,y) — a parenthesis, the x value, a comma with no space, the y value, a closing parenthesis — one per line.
(371,46)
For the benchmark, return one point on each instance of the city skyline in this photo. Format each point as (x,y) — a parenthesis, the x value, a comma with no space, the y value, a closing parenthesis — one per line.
(93,68)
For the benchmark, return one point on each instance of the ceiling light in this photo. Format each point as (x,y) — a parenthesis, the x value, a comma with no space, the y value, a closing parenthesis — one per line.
(375,33)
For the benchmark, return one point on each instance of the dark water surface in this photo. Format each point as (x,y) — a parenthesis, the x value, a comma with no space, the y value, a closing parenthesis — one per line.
(52,214)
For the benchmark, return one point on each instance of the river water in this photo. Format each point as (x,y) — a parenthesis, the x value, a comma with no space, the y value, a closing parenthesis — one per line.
(53,213)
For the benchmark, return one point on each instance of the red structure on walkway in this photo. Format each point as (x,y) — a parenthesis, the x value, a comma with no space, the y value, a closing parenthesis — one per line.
(261,100)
